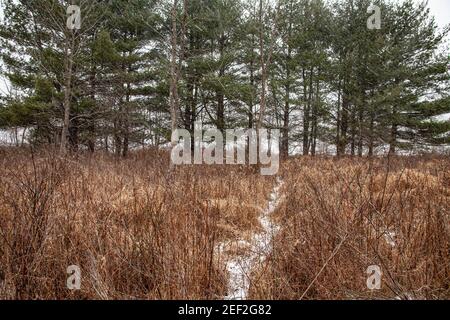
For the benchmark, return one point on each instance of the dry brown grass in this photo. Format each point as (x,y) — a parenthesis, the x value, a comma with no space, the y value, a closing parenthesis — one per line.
(135,230)
(140,232)
(337,220)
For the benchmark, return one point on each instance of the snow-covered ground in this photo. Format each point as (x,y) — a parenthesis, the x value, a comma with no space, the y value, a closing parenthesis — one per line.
(9,137)
(256,249)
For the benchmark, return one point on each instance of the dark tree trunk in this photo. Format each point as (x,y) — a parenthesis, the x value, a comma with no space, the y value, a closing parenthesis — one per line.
(285,129)
(306,116)
(360,129)
(343,125)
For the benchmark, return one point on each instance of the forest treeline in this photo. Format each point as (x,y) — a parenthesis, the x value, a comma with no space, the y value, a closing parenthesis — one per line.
(137,69)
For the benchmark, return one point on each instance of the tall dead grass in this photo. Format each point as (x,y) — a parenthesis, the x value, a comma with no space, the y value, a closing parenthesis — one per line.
(139,231)
(136,230)
(341,216)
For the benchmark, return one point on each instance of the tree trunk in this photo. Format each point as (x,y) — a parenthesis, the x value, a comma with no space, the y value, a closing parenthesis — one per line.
(68,70)
(174,75)
(393,139)
(307,94)
(353,131)
(286,111)
(360,129)
(338,120)
(342,144)
(252,84)
(91,138)
(315,117)
(220,116)
(285,133)
(126,133)
(371,134)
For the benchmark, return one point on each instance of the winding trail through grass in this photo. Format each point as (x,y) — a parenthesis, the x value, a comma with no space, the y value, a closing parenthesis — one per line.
(254,251)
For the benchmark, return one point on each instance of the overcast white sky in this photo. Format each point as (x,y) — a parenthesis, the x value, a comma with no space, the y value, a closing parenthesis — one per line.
(441,10)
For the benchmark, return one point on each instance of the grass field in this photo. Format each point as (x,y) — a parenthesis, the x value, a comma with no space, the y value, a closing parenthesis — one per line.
(140,231)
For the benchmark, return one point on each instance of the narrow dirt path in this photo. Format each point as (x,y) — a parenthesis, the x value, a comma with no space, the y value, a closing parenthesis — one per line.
(253,252)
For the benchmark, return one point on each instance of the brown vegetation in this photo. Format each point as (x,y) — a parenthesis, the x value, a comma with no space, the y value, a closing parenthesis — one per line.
(141,231)
(341,216)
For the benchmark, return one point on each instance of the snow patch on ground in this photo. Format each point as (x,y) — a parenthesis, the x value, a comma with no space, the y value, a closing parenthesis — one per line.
(389,236)
(256,250)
